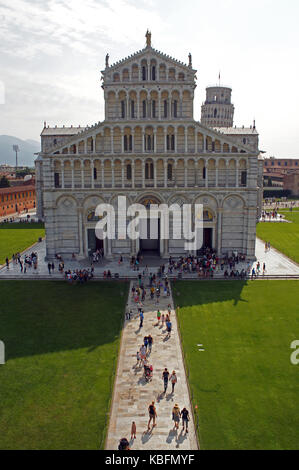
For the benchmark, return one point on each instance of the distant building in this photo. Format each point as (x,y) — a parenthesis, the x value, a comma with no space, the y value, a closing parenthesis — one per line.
(291,182)
(17,199)
(276,169)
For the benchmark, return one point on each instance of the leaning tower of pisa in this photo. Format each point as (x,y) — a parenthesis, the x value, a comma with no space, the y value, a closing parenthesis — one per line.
(217,110)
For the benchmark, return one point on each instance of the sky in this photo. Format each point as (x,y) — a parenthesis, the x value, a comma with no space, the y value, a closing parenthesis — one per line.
(52,52)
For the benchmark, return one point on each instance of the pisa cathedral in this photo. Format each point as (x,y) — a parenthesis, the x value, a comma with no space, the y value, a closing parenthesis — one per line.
(150,149)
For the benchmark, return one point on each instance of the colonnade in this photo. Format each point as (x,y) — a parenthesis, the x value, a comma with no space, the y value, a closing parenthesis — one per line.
(148,172)
(148,138)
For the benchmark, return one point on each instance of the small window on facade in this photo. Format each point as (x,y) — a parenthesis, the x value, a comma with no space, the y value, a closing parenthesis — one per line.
(154,73)
(125,143)
(154,108)
(56,180)
(95,174)
(144,109)
(244,141)
(172,142)
(204,173)
(175,109)
(132,109)
(129,172)
(130,142)
(55,141)
(123,112)
(149,171)
(165,108)
(243,178)
(143,73)
(169,172)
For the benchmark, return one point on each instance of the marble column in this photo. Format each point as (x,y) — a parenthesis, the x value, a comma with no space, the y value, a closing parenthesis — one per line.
(165,173)
(122,174)
(133,174)
(207,173)
(62,174)
(186,173)
(186,140)
(73,174)
(143,174)
(103,173)
(82,174)
(143,136)
(92,174)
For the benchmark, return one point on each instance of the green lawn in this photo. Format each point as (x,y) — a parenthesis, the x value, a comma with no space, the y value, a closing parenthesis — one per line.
(283,236)
(244,384)
(61,349)
(17,237)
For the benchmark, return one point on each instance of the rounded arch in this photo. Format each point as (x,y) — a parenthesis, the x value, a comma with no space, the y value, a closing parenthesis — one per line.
(207,200)
(233,201)
(64,197)
(148,196)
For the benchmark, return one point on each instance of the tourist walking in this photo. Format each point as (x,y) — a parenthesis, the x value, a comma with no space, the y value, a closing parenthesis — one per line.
(141,316)
(165,377)
(152,415)
(143,353)
(150,343)
(176,414)
(185,418)
(173,379)
(158,316)
(168,326)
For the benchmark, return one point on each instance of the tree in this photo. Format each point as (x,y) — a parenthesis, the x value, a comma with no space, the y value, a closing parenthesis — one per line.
(4,183)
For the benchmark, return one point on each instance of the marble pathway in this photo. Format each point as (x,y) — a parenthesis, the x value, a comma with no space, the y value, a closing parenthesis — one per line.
(132,395)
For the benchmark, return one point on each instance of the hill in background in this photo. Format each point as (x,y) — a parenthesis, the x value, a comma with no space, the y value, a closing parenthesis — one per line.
(26,155)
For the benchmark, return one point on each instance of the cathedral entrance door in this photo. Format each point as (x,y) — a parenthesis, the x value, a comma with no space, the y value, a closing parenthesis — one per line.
(94,243)
(207,237)
(150,245)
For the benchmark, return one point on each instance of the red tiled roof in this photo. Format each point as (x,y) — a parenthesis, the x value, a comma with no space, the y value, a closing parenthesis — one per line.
(16,189)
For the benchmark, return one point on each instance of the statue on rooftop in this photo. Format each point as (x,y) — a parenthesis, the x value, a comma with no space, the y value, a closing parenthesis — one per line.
(148,38)
(107,61)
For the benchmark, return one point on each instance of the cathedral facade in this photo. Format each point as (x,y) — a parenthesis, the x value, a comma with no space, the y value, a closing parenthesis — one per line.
(150,149)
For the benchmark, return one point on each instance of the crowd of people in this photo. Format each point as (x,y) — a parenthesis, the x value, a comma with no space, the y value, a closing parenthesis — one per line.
(29,261)
(271,215)
(78,276)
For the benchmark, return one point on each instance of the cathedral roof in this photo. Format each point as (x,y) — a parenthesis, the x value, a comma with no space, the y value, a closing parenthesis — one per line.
(236,130)
(142,52)
(62,130)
